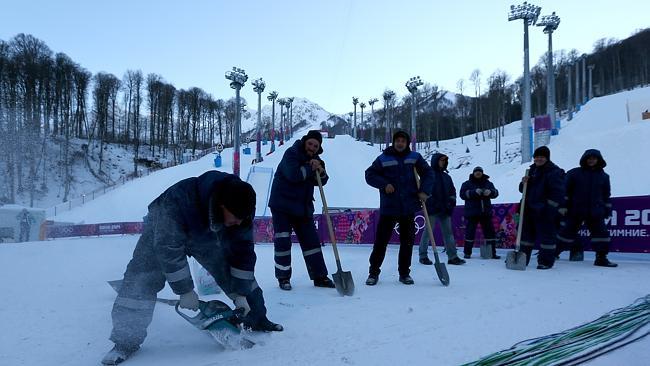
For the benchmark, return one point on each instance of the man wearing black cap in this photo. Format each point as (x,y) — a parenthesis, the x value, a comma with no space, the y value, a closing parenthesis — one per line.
(544,196)
(392,173)
(587,201)
(478,192)
(292,207)
(210,218)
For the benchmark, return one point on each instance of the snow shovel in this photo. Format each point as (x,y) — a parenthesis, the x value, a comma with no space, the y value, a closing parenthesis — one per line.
(486,251)
(215,317)
(517,259)
(342,279)
(440,267)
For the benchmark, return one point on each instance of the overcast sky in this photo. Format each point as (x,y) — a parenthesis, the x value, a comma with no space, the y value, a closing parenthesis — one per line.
(326,51)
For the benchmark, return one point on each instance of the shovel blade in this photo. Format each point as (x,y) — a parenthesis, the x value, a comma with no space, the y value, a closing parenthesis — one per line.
(441,271)
(344,282)
(516,260)
(486,251)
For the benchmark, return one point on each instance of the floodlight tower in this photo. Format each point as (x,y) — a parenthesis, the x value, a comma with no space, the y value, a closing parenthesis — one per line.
(590,88)
(388,95)
(272,97)
(412,86)
(355,101)
(550,24)
(584,79)
(290,113)
(282,102)
(362,105)
(237,79)
(372,117)
(258,87)
(350,120)
(528,13)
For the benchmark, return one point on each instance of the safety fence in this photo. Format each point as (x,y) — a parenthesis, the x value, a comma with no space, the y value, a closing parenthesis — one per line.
(629,226)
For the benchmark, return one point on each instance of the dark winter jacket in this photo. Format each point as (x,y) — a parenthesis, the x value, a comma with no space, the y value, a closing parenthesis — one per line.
(478,204)
(545,192)
(181,219)
(392,167)
(292,191)
(588,189)
(443,195)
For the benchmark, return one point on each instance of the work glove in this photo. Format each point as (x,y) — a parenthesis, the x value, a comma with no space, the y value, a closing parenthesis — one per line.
(563,211)
(189,301)
(241,303)
(487,192)
(479,191)
(423,196)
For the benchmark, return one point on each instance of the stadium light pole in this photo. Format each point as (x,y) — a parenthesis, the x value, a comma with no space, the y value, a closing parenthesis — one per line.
(528,13)
(355,101)
(412,86)
(282,102)
(569,107)
(237,79)
(388,98)
(372,117)
(577,88)
(590,88)
(584,79)
(290,112)
(272,97)
(350,120)
(550,24)
(258,87)
(362,125)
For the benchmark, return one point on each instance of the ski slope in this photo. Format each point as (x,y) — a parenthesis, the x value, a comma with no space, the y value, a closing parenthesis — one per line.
(56,310)
(260,178)
(601,124)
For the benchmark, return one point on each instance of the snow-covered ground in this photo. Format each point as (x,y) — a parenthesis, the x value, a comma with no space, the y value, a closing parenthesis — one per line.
(56,310)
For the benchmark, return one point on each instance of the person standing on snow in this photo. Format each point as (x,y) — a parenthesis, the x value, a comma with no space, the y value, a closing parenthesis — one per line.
(210,218)
(392,174)
(477,192)
(440,207)
(292,207)
(587,200)
(544,196)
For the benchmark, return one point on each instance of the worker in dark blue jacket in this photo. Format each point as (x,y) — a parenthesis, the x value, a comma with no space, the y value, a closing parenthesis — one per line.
(544,195)
(440,207)
(392,173)
(210,218)
(478,192)
(587,201)
(292,208)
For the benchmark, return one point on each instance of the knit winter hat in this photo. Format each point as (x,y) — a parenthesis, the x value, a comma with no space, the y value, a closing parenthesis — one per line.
(543,151)
(313,134)
(477,169)
(402,134)
(238,197)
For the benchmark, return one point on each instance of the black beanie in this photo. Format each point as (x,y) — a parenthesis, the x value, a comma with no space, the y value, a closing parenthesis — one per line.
(543,151)
(316,135)
(238,197)
(402,134)
(477,169)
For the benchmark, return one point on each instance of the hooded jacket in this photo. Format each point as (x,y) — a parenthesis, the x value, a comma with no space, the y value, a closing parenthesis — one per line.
(475,204)
(588,189)
(292,191)
(545,192)
(443,195)
(395,168)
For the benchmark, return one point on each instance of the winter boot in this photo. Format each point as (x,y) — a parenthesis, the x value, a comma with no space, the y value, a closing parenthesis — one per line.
(407,280)
(544,266)
(467,256)
(577,256)
(456,261)
(602,261)
(118,354)
(266,325)
(372,280)
(324,282)
(426,261)
(284,284)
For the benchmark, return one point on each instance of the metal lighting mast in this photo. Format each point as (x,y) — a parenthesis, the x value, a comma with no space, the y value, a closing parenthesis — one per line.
(355,101)
(362,105)
(290,113)
(528,13)
(282,102)
(272,97)
(550,24)
(258,87)
(372,117)
(412,86)
(237,79)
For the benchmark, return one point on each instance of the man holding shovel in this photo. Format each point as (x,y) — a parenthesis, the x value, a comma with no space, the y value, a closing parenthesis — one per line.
(393,175)
(210,218)
(292,208)
(544,196)
(478,193)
